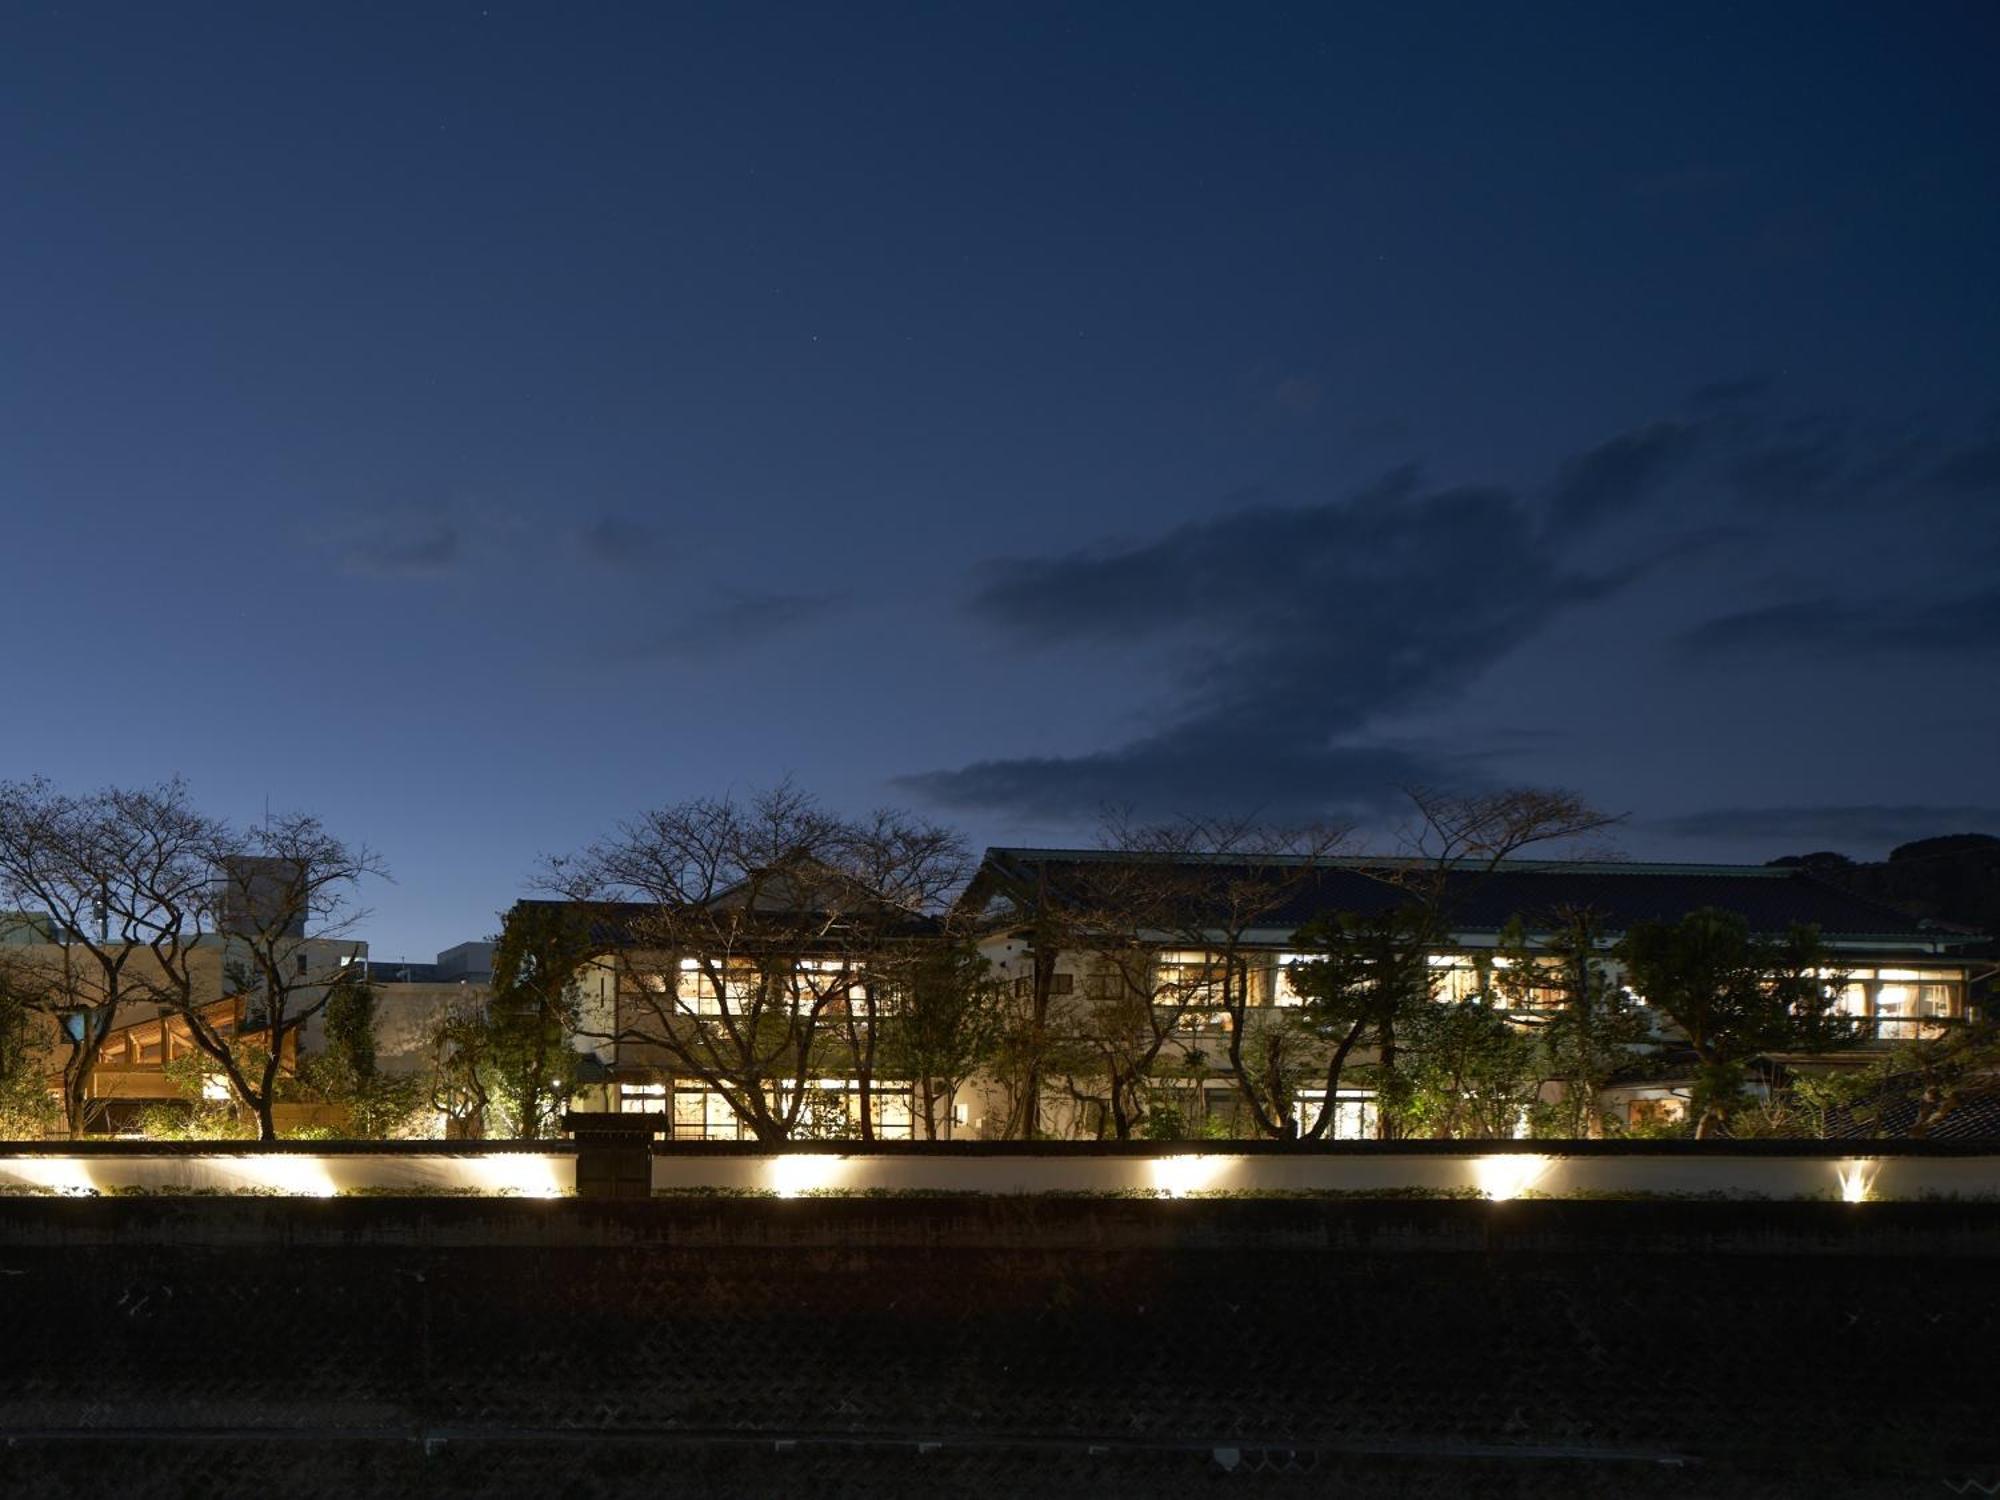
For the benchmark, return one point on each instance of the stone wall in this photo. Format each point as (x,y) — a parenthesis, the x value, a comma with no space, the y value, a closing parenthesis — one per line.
(941,1346)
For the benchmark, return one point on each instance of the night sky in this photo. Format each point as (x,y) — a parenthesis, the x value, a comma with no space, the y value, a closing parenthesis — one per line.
(474,422)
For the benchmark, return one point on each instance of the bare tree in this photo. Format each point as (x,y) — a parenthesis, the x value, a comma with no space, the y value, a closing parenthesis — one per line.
(1198,888)
(278,900)
(906,869)
(753,937)
(116,875)
(1454,839)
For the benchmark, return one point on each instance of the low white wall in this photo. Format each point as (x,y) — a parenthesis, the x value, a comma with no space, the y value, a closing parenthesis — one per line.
(527,1174)
(1495,1175)
(542,1174)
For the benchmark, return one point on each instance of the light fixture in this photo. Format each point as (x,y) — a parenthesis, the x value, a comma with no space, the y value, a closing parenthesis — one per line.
(794,1176)
(1178,1176)
(1509,1175)
(1857,1180)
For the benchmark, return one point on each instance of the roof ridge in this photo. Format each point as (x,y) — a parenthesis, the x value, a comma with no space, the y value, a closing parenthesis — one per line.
(1398,861)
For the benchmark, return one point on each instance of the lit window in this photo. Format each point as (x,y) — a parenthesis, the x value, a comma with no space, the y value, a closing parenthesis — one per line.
(1898,1004)
(695,987)
(1353,1113)
(1282,992)
(1454,978)
(1196,980)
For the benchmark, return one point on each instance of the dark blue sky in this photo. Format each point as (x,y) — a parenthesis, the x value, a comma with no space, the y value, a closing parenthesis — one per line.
(477,421)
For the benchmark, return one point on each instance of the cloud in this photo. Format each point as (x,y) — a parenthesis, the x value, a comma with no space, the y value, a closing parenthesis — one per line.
(616,541)
(1790,474)
(1864,825)
(399,544)
(739,622)
(1189,771)
(1290,632)
(1291,635)
(1623,472)
(1967,623)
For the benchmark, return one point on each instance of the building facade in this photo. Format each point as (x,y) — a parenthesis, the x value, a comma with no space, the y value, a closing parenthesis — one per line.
(1135,974)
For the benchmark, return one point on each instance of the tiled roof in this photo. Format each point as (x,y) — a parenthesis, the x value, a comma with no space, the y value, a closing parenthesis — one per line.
(1770,898)
(617,924)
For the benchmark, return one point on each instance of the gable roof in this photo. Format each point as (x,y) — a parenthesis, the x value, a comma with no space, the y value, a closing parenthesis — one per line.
(628,924)
(1770,898)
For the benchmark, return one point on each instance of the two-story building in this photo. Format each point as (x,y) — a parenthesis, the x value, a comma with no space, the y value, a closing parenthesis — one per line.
(1208,941)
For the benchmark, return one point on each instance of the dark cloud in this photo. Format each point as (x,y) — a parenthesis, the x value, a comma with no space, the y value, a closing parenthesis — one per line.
(1291,634)
(1867,826)
(1964,623)
(617,541)
(400,545)
(1290,631)
(1799,466)
(1193,771)
(1626,471)
(1203,574)
(739,622)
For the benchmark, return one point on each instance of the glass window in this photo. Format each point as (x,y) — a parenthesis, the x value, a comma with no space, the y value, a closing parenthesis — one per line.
(642,1098)
(1899,1004)
(1192,979)
(1353,1117)
(1282,992)
(695,987)
(1454,978)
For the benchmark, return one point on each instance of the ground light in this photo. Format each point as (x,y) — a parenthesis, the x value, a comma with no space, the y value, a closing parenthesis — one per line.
(1178,1176)
(290,1176)
(56,1174)
(1509,1176)
(1857,1180)
(514,1175)
(794,1176)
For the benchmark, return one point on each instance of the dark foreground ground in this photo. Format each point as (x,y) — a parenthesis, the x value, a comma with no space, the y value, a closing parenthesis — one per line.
(217,1348)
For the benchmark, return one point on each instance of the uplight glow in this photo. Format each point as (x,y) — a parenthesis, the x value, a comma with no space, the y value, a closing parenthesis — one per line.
(288,1176)
(1178,1176)
(1509,1176)
(515,1175)
(1857,1180)
(64,1175)
(795,1176)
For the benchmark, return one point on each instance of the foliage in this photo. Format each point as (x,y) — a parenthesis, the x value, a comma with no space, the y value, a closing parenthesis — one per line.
(947,1025)
(344,1072)
(1586,1024)
(1166,1122)
(1364,983)
(27,1108)
(1914,1088)
(202,1117)
(461,1071)
(534,1014)
(1734,997)
(1471,1073)
(823,1116)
